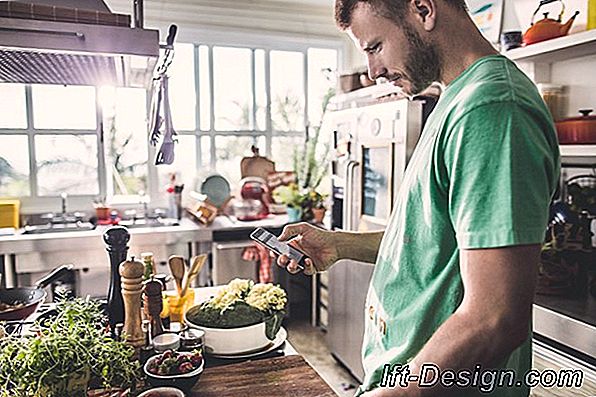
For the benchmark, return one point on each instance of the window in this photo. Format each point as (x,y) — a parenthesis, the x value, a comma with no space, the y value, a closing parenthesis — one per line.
(92,141)
(248,96)
(124,130)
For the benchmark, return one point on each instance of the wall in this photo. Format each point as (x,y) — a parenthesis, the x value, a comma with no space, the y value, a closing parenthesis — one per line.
(244,22)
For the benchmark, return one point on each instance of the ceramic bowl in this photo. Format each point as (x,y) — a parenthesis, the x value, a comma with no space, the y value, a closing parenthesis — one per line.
(162,392)
(234,340)
(181,381)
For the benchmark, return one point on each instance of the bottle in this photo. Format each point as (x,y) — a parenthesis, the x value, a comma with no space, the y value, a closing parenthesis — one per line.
(149,263)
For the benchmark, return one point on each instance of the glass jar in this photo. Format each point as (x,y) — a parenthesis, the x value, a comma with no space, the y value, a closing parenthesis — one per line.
(192,339)
(552,94)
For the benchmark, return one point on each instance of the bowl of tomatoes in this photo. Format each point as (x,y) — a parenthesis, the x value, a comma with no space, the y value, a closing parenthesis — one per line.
(181,370)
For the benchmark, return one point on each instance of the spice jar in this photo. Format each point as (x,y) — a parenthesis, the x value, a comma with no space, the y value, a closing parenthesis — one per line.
(552,94)
(167,341)
(192,339)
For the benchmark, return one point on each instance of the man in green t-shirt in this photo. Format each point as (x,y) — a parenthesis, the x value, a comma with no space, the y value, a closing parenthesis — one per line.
(455,269)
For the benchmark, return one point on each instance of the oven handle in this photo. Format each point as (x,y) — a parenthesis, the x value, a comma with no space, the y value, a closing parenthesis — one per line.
(349,194)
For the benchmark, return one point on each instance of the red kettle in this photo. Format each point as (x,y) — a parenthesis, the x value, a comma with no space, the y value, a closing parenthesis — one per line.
(548,28)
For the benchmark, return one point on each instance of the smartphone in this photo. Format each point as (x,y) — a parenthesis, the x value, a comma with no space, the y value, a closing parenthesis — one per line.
(271,242)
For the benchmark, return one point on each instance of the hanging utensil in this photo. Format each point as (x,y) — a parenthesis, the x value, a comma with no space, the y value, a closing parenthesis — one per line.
(195,268)
(155,119)
(165,155)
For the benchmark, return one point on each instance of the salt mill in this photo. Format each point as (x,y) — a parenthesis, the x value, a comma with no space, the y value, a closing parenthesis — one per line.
(116,239)
(131,272)
(153,305)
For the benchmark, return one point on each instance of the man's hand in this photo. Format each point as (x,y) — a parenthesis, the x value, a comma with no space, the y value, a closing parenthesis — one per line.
(318,244)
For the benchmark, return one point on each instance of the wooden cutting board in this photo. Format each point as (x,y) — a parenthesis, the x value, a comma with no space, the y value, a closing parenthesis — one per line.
(274,377)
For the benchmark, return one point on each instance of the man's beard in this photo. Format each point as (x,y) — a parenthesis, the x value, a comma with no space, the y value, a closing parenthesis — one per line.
(423,62)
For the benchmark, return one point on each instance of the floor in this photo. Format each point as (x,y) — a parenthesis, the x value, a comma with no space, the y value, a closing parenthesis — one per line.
(310,342)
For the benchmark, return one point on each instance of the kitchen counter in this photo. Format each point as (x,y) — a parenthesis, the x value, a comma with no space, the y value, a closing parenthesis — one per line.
(25,243)
(30,253)
(275,377)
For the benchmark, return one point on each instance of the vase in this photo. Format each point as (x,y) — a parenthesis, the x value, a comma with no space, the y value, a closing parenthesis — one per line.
(318,214)
(293,214)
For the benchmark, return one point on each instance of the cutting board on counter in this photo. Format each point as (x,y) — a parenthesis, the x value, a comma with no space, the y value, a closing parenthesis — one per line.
(275,377)
(256,165)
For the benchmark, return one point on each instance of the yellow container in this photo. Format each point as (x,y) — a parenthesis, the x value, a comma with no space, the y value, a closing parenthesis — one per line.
(175,306)
(9,213)
(591,14)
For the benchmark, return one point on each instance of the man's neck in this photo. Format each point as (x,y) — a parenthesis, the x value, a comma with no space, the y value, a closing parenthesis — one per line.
(461,46)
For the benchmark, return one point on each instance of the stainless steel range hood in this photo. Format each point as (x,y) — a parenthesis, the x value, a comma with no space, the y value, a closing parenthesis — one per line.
(48,52)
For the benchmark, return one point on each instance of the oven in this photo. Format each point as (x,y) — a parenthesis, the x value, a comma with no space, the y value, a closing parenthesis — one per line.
(382,139)
(565,302)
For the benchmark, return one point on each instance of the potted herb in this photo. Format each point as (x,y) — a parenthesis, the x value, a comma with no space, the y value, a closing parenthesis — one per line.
(311,165)
(313,206)
(291,197)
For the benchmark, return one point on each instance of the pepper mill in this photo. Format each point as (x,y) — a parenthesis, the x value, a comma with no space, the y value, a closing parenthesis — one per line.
(131,272)
(153,305)
(116,239)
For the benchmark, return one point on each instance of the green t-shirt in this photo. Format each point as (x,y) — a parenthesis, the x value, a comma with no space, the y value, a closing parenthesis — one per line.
(482,176)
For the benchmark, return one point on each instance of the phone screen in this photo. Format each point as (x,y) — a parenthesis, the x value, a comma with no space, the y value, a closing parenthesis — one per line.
(268,240)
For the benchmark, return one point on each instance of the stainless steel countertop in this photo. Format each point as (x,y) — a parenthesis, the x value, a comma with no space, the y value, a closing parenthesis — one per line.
(92,239)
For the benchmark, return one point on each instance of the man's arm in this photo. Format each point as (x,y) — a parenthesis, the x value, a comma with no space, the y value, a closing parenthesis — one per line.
(359,246)
(326,247)
(492,320)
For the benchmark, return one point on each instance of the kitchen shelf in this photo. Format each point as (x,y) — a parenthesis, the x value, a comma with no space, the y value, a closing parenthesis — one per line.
(560,49)
(578,150)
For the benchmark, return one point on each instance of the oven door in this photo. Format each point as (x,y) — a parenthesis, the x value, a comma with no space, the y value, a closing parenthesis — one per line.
(375,187)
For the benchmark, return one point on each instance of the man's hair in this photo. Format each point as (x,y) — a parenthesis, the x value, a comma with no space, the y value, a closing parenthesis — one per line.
(390,9)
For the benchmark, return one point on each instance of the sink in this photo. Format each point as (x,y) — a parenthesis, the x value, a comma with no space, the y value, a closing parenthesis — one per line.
(151,222)
(59,227)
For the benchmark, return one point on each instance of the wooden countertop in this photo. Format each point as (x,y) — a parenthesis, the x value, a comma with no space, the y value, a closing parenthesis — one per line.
(275,377)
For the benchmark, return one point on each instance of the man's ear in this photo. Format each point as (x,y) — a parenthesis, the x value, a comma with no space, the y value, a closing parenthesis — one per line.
(425,13)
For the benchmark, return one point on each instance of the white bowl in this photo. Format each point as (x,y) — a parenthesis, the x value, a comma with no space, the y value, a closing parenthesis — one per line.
(233,340)
(172,391)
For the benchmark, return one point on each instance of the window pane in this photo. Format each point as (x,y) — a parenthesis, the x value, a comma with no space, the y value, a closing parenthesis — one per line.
(206,152)
(322,65)
(185,164)
(125,133)
(183,98)
(12,103)
(58,107)
(261,90)
(287,94)
(204,88)
(282,151)
(230,150)
(233,88)
(66,163)
(14,166)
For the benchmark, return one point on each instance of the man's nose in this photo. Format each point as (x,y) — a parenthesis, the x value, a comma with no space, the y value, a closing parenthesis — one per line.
(375,69)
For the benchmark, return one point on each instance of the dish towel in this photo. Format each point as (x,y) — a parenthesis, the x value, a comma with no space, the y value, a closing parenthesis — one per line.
(260,254)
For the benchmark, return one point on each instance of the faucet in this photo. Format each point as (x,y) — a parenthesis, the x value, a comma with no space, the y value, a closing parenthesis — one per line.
(63,197)
(144,199)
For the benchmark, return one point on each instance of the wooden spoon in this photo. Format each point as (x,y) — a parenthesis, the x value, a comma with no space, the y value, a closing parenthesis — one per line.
(195,268)
(177,268)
